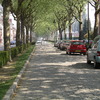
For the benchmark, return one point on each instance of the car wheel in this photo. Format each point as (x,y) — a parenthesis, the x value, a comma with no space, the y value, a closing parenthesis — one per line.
(88,61)
(58,47)
(66,52)
(61,48)
(84,53)
(69,53)
(96,65)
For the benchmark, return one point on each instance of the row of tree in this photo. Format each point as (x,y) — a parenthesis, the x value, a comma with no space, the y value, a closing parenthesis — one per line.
(64,13)
(42,16)
(72,10)
(25,13)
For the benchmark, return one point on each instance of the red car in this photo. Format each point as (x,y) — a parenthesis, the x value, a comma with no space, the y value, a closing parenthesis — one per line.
(76,46)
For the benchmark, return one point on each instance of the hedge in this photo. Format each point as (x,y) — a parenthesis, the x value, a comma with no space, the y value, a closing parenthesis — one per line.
(4,55)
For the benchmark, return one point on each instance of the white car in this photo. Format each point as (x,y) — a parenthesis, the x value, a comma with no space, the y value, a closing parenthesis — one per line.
(13,42)
(93,54)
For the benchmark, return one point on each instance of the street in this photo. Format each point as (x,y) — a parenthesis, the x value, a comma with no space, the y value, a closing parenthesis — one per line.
(53,75)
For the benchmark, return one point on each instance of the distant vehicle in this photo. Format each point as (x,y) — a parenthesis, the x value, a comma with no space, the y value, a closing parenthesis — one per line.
(76,46)
(56,44)
(13,42)
(64,44)
(38,41)
(93,54)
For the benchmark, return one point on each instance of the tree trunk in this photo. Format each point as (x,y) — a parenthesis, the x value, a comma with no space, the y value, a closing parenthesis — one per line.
(65,34)
(95,33)
(64,25)
(22,30)
(80,26)
(70,31)
(18,38)
(27,34)
(30,34)
(60,33)
(6,25)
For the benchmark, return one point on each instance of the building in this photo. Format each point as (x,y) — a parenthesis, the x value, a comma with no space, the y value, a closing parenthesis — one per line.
(12,28)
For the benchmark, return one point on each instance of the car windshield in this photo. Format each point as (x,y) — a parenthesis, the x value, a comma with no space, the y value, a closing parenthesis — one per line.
(77,43)
(66,41)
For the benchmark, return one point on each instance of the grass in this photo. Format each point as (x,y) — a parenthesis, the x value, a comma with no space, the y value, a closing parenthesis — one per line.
(9,72)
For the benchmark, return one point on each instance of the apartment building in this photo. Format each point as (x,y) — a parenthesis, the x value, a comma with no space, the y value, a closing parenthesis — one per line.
(12,28)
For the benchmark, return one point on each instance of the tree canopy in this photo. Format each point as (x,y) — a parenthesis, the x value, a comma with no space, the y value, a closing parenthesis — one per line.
(45,16)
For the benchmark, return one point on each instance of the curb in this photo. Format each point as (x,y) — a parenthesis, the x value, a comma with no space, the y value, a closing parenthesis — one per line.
(12,89)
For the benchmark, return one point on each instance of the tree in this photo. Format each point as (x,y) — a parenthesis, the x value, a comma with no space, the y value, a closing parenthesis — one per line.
(96,5)
(61,18)
(85,27)
(68,7)
(78,6)
(6,12)
(24,12)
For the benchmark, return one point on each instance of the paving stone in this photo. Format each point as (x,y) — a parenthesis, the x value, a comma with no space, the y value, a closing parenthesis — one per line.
(53,75)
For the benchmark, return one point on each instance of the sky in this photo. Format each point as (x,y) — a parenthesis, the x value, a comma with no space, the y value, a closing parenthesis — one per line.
(13,21)
(91,14)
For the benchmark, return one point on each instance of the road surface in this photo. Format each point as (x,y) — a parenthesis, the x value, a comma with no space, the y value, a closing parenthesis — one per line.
(53,75)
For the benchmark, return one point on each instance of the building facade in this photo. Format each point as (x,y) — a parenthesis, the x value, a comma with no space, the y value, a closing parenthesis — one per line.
(12,28)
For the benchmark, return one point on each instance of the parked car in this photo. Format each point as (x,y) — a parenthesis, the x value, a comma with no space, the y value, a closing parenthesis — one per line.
(93,54)
(64,44)
(13,42)
(76,46)
(56,43)
(88,45)
(59,43)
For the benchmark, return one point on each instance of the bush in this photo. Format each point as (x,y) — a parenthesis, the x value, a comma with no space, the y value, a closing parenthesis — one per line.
(14,52)
(33,43)
(4,57)
(1,64)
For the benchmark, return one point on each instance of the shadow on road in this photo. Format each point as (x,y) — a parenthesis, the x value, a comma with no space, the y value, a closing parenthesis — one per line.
(57,82)
(51,75)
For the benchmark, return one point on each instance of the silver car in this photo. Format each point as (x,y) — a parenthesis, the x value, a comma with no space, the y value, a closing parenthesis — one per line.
(93,54)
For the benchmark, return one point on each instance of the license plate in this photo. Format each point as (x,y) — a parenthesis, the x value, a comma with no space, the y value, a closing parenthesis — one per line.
(78,51)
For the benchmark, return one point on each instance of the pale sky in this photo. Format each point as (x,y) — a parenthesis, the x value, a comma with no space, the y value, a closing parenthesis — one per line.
(91,14)
(13,21)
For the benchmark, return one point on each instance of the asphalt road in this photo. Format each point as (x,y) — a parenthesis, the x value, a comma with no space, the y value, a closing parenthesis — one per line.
(53,75)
